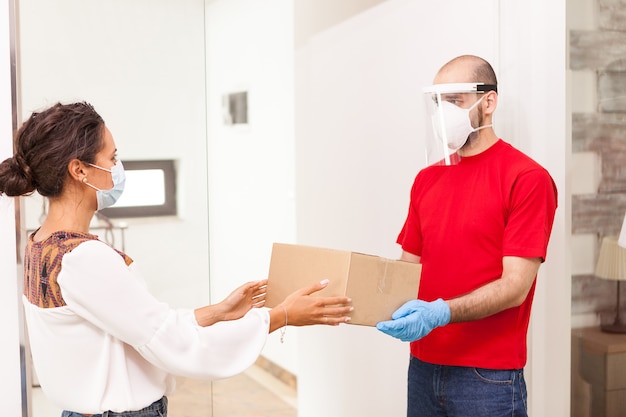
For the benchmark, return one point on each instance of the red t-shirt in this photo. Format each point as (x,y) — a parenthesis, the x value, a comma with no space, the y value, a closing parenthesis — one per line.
(462,220)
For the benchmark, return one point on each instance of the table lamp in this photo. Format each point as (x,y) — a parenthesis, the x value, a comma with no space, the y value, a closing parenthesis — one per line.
(612,265)
(622,235)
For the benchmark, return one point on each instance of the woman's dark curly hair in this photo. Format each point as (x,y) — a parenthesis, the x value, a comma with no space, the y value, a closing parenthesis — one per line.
(46,143)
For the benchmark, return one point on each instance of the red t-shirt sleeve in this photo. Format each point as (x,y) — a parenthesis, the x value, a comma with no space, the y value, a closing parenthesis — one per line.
(409,238)
(531,214)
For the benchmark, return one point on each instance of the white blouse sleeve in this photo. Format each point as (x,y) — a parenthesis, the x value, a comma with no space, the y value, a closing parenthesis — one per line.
(98,286)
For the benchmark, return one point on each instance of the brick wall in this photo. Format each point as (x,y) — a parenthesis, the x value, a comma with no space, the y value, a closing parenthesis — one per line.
(599,155)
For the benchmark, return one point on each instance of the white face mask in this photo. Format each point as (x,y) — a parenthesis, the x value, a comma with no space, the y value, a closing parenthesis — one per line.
(457,124)
(107,198)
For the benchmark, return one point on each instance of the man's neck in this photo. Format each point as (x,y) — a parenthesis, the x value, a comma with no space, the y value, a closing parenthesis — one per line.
(479,142)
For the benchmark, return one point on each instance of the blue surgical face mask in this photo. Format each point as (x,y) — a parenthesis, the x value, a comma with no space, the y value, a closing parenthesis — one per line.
(106,198)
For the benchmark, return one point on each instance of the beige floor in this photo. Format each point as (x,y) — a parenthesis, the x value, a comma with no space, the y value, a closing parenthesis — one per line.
(255,393)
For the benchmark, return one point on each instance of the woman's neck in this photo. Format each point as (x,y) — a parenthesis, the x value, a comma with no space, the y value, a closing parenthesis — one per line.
(65,215)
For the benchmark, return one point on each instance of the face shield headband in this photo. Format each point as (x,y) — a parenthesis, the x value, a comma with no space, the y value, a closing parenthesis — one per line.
(448,110)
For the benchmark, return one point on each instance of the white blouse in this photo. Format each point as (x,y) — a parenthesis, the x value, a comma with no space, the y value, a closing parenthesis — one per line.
(113,346)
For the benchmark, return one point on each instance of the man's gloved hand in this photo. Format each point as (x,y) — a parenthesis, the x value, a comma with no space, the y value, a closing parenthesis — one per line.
(415,319)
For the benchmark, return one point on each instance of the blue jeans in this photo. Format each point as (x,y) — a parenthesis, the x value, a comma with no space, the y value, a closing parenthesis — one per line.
(156,409)
(456,391)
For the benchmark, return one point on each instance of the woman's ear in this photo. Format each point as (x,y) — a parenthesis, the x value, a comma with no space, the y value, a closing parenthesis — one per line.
(76,170)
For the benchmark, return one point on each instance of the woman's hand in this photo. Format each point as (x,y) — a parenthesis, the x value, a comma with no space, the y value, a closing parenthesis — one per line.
(235,306)
(302,309)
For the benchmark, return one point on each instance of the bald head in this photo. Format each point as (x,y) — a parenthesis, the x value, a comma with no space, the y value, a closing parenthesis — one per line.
(466,69)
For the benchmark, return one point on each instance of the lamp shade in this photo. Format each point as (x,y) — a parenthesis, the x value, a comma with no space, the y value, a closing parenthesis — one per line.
(622,235)
(611,260)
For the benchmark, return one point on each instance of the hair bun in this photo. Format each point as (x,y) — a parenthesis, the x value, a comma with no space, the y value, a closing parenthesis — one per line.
(23,167)
(15,177)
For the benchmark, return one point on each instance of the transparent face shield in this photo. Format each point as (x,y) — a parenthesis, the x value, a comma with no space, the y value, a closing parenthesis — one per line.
(450,120)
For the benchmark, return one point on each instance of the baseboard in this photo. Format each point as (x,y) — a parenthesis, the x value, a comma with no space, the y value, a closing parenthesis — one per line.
(277,372)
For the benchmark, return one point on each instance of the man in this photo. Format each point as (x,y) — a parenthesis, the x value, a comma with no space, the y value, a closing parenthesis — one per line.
(479,221)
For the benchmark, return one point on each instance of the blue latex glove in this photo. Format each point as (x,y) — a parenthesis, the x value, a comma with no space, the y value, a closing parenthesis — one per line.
(415,319)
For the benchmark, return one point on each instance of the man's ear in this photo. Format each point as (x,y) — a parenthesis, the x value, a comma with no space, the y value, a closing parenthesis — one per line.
(491,102)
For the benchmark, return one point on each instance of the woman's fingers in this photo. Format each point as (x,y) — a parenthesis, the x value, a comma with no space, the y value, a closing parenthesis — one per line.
(335,321)
(259,294)
(324,301)
(336,300)
(305,309)
(332,310)
(258,301)
(334,314)
(337,310)
(318,286)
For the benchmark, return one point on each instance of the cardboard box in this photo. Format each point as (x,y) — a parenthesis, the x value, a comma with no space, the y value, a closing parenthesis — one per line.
(377,286)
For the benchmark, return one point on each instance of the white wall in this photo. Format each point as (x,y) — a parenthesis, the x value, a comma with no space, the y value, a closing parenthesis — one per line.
(533,73)
(10,388)
(358,129)
(359,145)
(313,16)
(251,195)
(141,64)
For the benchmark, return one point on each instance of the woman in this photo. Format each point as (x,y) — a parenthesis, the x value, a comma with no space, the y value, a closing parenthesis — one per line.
(100,341)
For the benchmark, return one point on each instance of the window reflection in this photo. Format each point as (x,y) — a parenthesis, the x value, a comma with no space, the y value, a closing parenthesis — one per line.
(144,187)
